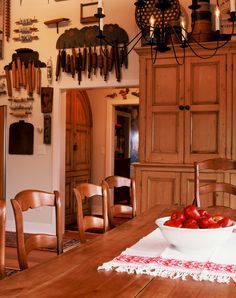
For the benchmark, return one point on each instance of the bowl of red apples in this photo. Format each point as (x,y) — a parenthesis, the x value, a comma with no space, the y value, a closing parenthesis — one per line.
(194,229)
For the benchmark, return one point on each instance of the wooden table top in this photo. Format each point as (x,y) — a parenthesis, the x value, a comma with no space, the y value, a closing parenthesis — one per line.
(74,273)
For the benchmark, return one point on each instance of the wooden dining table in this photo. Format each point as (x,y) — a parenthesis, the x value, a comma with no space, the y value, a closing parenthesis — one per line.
(74,273)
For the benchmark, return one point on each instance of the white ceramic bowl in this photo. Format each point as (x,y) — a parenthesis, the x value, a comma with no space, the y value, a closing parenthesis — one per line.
(189,240)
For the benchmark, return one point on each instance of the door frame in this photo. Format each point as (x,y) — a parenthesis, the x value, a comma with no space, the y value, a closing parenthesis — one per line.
(3,121)
(110,130)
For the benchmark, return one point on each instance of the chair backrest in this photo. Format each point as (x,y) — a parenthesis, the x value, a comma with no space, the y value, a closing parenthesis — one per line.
(212,164)
(2,237)
(120,210)
(91,222)
(31,199)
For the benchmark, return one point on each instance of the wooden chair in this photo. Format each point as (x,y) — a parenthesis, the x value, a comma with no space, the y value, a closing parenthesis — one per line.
(2,237)
(90,224)
(118,213)
(212,164)
(31,199)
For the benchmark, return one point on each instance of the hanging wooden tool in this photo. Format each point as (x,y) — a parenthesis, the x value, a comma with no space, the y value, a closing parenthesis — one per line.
(79,66)
(106,63)
(38,81)
(8,79)
(58,66)
(100,61)
(7,18)
(63,60)
(89,62)
(23,69)
(30,90)
(13,68)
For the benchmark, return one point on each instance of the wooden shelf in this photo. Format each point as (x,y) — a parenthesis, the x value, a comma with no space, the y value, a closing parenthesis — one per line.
(56,21)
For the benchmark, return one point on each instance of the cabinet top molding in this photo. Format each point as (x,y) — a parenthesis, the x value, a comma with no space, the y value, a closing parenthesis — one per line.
(144,51)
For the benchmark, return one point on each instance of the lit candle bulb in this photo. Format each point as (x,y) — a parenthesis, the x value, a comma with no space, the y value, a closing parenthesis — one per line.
(232,5)
(183,29)
(151,22)
(101,22)
(100,3)
(217,19)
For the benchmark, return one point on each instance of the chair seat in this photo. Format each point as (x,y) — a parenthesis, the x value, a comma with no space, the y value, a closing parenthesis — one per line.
(122,211)
(93,223)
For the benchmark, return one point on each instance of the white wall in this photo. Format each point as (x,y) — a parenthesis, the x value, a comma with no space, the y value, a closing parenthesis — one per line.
(44,171)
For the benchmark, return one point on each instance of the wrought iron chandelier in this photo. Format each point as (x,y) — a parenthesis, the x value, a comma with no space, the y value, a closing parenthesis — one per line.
(163,28)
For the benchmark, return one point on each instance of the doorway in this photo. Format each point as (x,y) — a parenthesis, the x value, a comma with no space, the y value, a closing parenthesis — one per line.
(124,106)
(102,142)
(126,143)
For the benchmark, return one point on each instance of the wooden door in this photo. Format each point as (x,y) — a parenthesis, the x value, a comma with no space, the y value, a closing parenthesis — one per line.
(3,115)
(164,97)
(205,95)
(78,147)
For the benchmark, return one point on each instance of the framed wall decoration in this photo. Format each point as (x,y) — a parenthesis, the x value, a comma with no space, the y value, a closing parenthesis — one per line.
(87,11)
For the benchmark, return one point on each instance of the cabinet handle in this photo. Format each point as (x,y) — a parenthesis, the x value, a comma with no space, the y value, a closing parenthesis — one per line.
(181,107)
(187,107)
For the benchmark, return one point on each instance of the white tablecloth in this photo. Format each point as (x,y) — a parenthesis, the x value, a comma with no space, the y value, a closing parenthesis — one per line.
(154,256)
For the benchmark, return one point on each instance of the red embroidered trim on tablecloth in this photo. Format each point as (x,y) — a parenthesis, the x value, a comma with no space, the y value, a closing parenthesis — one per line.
(192,265)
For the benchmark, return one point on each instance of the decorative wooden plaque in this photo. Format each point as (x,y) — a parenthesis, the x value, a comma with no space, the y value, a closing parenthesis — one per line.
(46,99)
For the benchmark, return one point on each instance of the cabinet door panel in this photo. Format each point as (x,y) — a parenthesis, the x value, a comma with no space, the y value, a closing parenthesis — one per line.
(164,129)
(164,77)
(205,94)
(204,137)
(159,188)
(204,75)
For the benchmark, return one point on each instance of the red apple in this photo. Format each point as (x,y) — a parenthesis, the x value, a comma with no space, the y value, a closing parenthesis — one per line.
(204,222)
(225,222)
(173,223)
(191,212)
(217,217)
(203,213)
(179,216)
(214,225)
(190,224)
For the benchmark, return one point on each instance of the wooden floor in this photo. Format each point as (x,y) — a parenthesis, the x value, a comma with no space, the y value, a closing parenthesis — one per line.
(35,257)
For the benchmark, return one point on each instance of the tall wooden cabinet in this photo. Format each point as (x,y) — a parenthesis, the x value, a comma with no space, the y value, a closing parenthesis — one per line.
(186,115)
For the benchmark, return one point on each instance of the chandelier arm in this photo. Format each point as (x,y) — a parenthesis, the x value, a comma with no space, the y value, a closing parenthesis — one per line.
(176,35)
(211,48)
(133,45)
(127,44)
(203,57)
(155,56)
(218,46)
(175,54)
